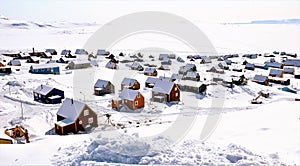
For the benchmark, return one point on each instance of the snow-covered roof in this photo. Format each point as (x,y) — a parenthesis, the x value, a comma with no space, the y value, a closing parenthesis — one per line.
(149,70)
(43,89)
(128,94)
(274,64)
(135,65)
(222,64)
(205,59)
(50,50)
(163,78)
(35,58)
(70,109)
(151,80)
(110,64)
(289,69)
(15,62)
(191,74)
(81,61)
(102,52)
(164,87)
(276,72)
(249,65)
(44,66)
(64,122)
(65,52)
(176,76)
(80,51)
(101,83)
(128,81)
(260,78)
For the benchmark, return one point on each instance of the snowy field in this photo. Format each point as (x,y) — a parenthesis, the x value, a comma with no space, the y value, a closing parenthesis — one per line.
(245,134)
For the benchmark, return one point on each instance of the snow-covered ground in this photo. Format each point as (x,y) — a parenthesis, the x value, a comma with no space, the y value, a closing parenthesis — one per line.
(245,134)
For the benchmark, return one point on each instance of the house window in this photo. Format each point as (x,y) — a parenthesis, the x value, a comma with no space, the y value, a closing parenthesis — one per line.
(35,94)
(91,120)
(80,122)
(176,94)
(175,88)
(136,102)
(138,95)
(86,113)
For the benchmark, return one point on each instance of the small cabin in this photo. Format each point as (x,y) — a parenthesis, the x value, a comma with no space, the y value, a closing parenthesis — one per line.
(223,65)
(130,99)
(5,70)
(111,65)
(136,66)
(166,61)
(179,59)
(249,66)
(191,86)
(149,71)
(164,67)
(48,95)
(276,73)
(175,77)
(102,52)
(292,62)
(14,62)
(289,70)
(103,87)
(129,83)
(81,52)
(165,91)
(51,51)
(250,56)
(274,64)
(33,59)
(261,66)
(50,68)
(216,69)
(163,56)
(260,79)
(74,116)
(191,75)
(79,64)
(205,59)
(188,67)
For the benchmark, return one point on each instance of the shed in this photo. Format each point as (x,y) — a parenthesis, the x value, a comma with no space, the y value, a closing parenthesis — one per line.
(164,91)
(166,61)
(48,95)
(102,87)
(223,65)
(74,116)
(191,75)
(129,83)
(50,68)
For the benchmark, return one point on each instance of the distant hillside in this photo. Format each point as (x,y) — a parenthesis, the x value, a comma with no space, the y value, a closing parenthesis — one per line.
(283,21)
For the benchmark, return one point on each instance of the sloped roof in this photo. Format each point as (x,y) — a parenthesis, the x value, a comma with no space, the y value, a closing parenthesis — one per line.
(223,64)
(50,50)
(176,76)
(151,80)
(164,87)
(128,81)
(80,51)
(70,109)
(276,72)
(128,94)
(110,64)
(43,66)
(249,65)
(43,89)
(289,69)
(260,78)
(65,52)
(191,74)
(15,62)
(102,52)
(149,70)
(274,64)
(101,83)
(135,65)
(205,59)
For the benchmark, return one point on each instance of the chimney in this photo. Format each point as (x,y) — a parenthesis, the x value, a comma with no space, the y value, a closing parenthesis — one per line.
(72,101)
(41,86)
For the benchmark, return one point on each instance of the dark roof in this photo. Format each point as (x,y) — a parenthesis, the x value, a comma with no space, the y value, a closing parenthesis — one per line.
(249,65)
(101,83)
(260,78)
(50,50)
(43,89)
(292,62)
(70,109)
(111,64)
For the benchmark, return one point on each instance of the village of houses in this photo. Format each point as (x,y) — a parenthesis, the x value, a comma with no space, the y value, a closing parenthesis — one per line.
(161,80)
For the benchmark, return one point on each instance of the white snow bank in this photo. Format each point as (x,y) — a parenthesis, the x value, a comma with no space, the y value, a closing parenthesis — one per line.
(130,150)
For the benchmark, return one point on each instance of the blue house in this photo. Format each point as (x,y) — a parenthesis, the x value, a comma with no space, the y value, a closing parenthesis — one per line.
(48,95)
(50,68)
